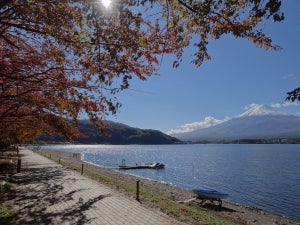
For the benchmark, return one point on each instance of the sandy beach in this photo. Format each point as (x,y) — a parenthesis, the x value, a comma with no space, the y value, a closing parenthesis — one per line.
(243,214)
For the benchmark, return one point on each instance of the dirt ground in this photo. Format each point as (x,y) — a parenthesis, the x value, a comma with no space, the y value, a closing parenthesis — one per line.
(247,215)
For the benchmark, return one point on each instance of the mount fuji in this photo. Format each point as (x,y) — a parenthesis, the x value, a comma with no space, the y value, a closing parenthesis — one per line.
(258,122)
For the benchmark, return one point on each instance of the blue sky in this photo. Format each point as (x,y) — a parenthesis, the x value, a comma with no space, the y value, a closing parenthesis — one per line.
(238,75)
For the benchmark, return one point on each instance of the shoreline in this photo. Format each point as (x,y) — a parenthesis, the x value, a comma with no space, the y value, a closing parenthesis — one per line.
(242,213)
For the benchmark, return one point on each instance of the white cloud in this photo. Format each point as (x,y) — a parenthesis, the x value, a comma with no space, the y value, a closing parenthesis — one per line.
(290,76)
(285,104)
(208,122)
(276,105)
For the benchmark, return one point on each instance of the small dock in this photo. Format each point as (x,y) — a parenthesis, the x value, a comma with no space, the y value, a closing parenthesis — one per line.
(148,165)
(127,167)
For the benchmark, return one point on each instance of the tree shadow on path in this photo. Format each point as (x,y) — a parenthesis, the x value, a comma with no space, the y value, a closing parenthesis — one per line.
(41,197)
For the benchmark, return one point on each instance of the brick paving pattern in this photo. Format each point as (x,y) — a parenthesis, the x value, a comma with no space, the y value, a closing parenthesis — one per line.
(48,193)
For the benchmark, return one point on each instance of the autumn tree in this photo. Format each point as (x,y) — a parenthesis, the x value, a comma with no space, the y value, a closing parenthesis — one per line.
(60,59)
(293,95)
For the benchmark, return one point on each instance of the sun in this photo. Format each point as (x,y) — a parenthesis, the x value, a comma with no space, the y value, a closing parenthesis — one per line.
(106,3)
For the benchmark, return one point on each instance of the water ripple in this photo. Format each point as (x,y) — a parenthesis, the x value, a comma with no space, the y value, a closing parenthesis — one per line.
(263,176)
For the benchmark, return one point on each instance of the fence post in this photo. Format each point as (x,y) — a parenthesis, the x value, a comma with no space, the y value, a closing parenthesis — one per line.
(19,166)
(138,190)
(81,168)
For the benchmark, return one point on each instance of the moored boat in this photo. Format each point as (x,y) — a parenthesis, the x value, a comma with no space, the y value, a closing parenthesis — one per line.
(143,166)
(209,194)
(155,165)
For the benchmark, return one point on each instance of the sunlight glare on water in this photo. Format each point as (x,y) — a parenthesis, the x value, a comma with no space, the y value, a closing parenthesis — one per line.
(264,176)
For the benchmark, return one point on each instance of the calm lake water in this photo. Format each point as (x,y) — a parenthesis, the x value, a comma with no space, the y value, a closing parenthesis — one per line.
(263,176)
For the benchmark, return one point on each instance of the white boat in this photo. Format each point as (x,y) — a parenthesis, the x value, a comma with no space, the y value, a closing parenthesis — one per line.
(148,165)
(210,194)
(154,165)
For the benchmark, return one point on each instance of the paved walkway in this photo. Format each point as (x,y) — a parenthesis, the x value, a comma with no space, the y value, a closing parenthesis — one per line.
(51,194)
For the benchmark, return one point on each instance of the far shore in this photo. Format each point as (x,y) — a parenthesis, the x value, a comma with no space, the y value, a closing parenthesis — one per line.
(244,214)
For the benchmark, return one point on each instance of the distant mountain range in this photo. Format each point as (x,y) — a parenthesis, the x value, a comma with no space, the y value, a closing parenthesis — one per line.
(260,122)
(117,134)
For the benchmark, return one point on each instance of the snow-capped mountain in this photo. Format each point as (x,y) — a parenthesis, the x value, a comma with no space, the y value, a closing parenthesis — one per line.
(258,122)
(261,110)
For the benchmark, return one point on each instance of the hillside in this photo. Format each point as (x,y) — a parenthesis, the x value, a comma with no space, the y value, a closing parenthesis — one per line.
(117,134)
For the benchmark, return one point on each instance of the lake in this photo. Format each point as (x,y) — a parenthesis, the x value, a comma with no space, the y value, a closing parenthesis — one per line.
(263,176)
